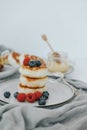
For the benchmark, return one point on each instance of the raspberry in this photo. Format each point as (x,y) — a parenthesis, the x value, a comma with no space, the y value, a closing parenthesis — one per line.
(38,95)
(26,60)
(30,97)
(21,97)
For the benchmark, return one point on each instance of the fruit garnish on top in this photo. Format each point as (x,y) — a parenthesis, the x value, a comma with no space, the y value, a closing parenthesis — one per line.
(32,63)
(26,60)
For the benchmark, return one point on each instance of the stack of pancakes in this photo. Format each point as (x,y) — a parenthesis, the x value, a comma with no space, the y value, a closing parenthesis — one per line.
(33,78)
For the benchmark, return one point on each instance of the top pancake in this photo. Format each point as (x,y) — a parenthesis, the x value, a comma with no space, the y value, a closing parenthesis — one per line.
(37,71)
(42,66)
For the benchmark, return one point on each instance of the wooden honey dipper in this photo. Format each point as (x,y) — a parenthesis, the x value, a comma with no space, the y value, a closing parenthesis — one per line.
(44,37)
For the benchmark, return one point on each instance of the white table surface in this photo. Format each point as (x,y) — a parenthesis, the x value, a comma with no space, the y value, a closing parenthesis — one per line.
(80,69)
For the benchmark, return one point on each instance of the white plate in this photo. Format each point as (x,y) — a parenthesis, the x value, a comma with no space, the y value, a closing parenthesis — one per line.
(7,71)
(58,92)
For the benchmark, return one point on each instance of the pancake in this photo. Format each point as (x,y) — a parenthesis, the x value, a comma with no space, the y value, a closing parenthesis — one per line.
(33,82)
(34,72)
(26,89)
(13,59)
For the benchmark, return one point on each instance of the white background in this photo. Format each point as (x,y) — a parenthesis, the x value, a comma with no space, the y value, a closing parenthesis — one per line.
(22,22)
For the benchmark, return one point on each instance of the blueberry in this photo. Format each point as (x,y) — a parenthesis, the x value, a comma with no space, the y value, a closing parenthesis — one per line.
(15,94)
(32,63)
(41,102)
(45,94)
(7,94)
(43,97)
(38,63)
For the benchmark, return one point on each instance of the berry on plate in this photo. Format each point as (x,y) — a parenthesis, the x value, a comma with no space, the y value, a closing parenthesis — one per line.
(38,95)
(15,94)
(42,101)
(30,97)
(7,94)
(45,94)
(21,97)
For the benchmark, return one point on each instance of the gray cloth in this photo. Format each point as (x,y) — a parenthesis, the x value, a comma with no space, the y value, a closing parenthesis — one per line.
(71,116)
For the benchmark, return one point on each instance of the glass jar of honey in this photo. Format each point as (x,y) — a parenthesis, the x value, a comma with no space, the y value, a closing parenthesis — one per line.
(57,62)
